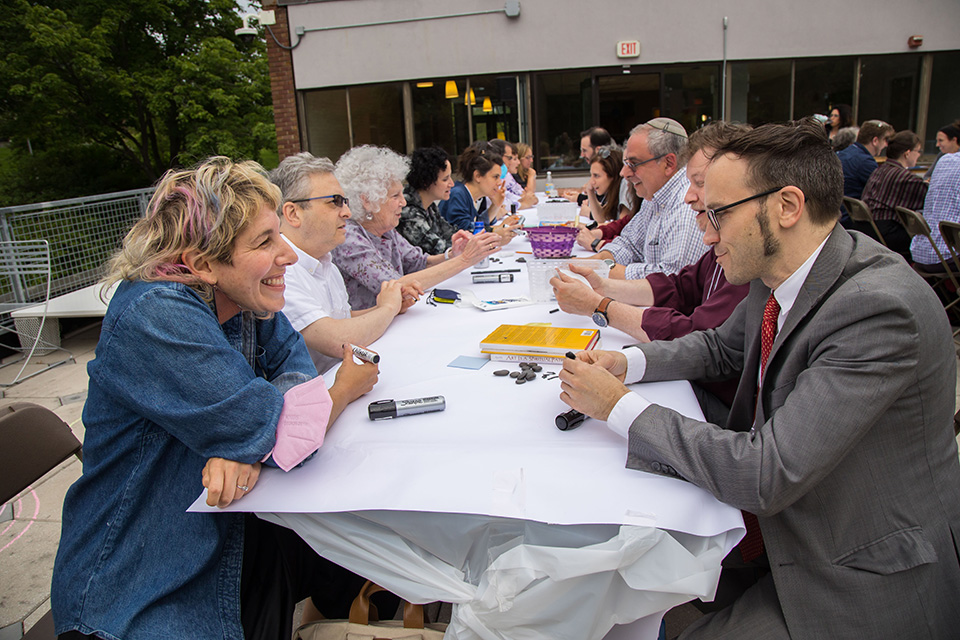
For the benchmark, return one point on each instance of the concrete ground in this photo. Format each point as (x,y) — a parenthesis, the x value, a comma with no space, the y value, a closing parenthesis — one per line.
(30,524)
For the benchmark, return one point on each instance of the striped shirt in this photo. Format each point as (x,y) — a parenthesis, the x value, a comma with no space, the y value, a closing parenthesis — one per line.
(663,237)
(893,186)
(942,203)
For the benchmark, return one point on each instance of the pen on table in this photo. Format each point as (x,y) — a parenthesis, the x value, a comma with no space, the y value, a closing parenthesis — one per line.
(529,253)
(475,273)
(554,310)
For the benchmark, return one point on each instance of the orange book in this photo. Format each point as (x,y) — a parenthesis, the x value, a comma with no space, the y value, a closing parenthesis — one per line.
(509,341)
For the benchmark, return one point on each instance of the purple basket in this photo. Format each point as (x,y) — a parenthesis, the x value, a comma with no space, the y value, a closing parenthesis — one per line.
(552,241)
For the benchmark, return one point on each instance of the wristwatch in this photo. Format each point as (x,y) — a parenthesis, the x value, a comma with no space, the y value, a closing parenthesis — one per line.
(595,245)
(600,314)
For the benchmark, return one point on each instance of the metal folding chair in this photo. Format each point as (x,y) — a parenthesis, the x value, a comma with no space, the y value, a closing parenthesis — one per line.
(25,280)
(916,225)
(860,212)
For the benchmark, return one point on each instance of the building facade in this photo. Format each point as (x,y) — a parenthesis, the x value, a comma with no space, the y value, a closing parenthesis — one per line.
(411,73)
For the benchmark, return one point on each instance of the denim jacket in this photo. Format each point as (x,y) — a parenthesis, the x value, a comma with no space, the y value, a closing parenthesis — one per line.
(169,388)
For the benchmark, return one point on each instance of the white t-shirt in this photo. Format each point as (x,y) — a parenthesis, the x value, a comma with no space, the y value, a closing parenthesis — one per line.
(314,290)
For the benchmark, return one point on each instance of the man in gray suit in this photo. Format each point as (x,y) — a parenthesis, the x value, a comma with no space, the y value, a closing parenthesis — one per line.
(846,454)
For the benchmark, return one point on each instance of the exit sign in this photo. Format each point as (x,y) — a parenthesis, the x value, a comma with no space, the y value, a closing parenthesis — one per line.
(628,49)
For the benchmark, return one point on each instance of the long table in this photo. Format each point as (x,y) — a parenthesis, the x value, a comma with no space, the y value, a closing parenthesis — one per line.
(532,532)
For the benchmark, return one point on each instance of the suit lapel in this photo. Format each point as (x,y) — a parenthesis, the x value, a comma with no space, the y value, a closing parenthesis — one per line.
(821,279)
(746,410)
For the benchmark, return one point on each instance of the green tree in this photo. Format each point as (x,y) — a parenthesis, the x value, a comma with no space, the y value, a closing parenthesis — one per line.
(155,83)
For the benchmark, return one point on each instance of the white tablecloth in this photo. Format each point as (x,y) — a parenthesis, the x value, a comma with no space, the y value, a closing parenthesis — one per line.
(532,532)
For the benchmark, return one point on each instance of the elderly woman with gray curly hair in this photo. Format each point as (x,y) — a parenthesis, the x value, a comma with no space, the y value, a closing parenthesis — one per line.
(374,251)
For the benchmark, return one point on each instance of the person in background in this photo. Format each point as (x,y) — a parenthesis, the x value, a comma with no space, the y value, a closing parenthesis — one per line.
(526,175)
(845,137)
(313,220)
(858,159)
(893,185)
(941,203)
(429,180)
(600,205)
(479,197)
(948,141)
(191,374)
(839,446)
(663,237)
(841,117)
(591,139)
(668,306)
(373,251)
(515,197)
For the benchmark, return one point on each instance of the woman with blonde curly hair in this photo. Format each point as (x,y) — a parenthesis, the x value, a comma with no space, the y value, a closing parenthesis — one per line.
(191,374)
(374,251)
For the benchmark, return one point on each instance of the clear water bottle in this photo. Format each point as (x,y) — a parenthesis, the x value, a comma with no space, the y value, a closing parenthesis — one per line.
(478,227)
(551,192)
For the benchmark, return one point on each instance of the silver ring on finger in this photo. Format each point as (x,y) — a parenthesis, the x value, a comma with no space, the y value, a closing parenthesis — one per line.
(243,488)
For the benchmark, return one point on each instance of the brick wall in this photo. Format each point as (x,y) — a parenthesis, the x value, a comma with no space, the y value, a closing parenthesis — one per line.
(281,84)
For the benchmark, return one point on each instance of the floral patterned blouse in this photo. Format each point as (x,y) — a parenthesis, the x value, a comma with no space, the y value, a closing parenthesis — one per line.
(366,260)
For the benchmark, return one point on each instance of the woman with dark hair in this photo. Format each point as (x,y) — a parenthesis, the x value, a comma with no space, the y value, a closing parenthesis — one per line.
(948,141)
(603,202)
(841,117)
(429,180)
(479,198)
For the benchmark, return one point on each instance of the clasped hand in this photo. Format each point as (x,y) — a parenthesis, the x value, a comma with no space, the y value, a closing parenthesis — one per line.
(593,383)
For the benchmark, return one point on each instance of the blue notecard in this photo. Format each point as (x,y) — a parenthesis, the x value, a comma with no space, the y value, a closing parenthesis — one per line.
(468,362)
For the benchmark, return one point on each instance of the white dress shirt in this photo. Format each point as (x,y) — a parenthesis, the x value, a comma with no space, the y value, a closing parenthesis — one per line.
(633,404)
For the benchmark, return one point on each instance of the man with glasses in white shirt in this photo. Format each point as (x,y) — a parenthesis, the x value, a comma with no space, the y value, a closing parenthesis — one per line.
(663,236)
(312,220)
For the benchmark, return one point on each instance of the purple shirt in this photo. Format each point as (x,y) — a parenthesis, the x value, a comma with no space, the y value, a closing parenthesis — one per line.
(366,260)
(698,297)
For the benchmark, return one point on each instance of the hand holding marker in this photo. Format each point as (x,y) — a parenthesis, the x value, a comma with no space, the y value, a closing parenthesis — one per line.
(572,419)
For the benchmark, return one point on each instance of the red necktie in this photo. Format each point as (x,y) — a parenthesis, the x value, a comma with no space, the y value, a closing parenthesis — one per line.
(752,544)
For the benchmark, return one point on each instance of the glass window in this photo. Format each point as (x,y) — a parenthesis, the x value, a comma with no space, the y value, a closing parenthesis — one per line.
(889,88)
(325,122)
(437,119)
(760,91)
(494,108)
(627,100)
(376,113)
(821,83)
(563,107)
(691,94)
(944,96)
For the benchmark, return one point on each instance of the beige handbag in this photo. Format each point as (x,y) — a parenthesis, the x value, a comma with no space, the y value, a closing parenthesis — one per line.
(361,627)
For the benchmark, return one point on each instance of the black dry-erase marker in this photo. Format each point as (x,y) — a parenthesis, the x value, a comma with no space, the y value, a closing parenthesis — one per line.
(570,419)
(383,409)
(365,354)
(476,273)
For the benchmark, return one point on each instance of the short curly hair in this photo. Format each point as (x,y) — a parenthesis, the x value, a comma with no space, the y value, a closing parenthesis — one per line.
(366,173)
(426,164)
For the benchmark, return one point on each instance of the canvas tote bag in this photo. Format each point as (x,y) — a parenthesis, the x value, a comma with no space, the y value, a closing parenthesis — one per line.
(360,626)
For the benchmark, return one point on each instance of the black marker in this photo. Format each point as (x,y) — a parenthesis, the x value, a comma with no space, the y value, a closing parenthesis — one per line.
(572,419)
(384,409)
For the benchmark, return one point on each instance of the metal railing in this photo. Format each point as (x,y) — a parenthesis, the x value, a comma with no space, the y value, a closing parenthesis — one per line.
(83,234)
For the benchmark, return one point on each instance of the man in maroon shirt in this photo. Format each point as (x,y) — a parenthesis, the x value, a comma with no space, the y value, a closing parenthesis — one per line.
(667,306)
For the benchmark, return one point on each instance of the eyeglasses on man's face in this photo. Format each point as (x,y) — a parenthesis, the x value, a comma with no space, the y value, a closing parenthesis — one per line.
(337,199)
(713,215)
(633,165)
